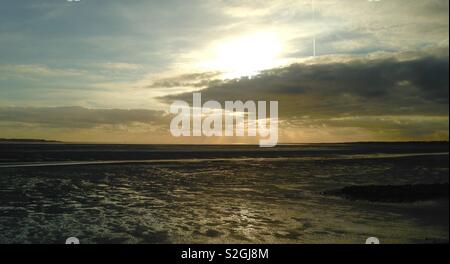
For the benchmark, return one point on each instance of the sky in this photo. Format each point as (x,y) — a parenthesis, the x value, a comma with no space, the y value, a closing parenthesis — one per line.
(108,70)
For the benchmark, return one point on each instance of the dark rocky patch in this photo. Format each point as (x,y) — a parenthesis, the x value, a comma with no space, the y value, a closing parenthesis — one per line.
(393,193)
(212,233)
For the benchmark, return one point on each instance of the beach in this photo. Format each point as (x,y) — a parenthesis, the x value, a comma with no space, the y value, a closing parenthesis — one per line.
(218,194)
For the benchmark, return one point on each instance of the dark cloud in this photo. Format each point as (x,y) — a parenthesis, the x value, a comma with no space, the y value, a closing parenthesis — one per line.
(392,96)
(202,79)
(384,86)
(79,117)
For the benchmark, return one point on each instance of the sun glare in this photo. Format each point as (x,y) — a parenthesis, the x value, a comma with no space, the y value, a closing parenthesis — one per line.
(248,55)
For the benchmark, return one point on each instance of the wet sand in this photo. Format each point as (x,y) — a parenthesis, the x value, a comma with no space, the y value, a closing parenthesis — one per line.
(231,195)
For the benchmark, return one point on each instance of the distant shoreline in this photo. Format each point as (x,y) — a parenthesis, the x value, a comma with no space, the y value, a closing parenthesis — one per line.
(18,140)
(25,141)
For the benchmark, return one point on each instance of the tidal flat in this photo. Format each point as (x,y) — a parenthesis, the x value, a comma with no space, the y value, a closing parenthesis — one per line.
(218,194)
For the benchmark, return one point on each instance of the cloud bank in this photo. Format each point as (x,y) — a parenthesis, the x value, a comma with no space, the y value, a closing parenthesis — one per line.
(385,97)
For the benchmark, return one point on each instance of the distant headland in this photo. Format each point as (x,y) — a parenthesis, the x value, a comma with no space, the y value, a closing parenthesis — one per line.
(27,140)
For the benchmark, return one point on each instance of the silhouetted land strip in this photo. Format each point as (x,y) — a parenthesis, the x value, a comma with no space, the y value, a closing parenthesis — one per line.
(393,193)
(27,140)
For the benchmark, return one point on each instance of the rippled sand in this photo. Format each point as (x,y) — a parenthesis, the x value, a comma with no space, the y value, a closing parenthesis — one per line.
(251,200)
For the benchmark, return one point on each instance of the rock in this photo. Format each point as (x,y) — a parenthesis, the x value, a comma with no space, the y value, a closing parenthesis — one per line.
(393,193)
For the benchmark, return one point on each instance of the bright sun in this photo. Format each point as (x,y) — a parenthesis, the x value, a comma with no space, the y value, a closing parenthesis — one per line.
(246,56)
